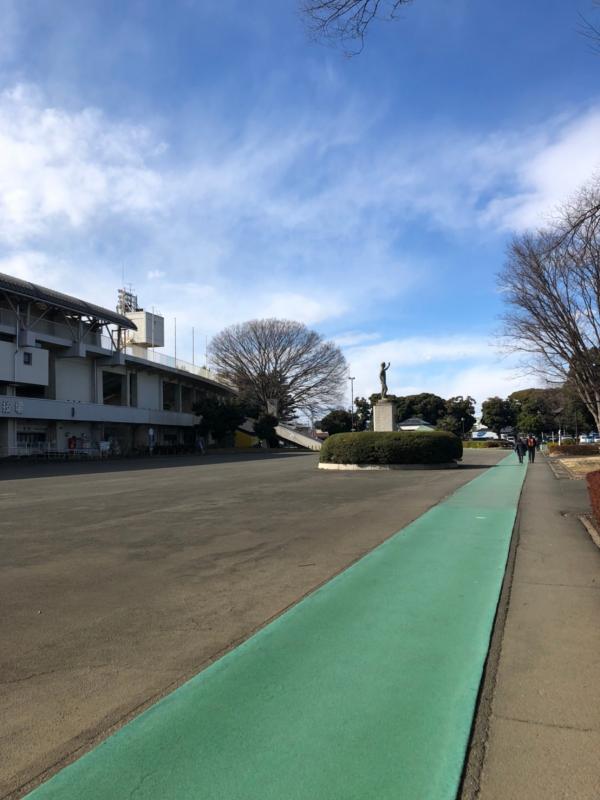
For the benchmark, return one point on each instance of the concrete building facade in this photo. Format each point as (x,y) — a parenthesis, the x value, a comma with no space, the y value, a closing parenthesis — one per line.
(75,377)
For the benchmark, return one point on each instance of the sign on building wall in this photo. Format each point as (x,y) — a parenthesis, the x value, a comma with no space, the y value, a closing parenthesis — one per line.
(9,406)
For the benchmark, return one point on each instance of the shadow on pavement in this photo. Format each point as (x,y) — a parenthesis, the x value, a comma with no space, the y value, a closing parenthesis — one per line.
(19,470)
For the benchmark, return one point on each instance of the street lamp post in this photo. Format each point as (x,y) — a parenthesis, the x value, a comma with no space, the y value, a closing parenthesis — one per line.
(462,422)
(351,379)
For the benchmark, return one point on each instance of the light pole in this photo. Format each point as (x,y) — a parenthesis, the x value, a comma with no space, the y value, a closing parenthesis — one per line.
(462,422)
(351,379)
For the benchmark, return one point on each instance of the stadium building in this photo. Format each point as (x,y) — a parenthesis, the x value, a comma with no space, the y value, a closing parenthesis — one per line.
(75,377)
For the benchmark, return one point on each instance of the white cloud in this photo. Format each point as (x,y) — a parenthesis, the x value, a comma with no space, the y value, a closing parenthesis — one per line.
(550,166)
(293,305)
(354,338)
(300,221)
(32,265)
(59,167)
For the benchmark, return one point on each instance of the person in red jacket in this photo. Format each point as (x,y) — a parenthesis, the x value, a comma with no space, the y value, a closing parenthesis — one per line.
(531,445)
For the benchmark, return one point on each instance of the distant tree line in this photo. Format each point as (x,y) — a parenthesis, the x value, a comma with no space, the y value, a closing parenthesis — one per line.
(538,411)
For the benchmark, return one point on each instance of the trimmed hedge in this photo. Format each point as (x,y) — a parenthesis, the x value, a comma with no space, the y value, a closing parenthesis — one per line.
(573,449)
(404,447)
(593,484)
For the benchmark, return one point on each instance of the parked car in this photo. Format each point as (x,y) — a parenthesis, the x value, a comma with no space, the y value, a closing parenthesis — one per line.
(589,438)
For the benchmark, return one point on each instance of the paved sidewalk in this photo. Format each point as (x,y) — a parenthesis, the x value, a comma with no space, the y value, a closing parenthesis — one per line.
(544,730)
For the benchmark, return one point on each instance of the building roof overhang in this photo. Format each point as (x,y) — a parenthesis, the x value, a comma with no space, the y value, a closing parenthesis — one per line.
(39,294)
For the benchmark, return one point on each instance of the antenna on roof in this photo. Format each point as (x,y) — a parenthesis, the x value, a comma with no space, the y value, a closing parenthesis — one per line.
(128,301)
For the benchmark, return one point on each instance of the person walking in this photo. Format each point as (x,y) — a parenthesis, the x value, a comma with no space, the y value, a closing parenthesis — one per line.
(531,446)
(519,448)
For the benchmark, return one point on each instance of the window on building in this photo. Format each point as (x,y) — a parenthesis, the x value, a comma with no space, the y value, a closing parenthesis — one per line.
(133,401)
(187,399)
(112,388)
(31,390)
(28,358)
(169,396)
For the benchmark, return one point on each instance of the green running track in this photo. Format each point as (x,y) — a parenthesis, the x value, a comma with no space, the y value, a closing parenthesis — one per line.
(365,689)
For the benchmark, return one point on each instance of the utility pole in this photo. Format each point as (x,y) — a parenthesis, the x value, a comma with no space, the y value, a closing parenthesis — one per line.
(351,379)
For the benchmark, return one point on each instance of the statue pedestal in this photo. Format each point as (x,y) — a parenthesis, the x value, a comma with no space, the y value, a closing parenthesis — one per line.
(383,415)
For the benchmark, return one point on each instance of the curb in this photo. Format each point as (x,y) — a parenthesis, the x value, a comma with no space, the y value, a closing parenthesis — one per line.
(589,524)
(373,467)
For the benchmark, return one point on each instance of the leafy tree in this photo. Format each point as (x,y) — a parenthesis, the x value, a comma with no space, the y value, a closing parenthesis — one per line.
(459,417)
(536,409)
(264,428)
(574,414)
(363,413)
(376,396)
(282,362)
(337,421)
(498,414)
(220,417)
(429,407)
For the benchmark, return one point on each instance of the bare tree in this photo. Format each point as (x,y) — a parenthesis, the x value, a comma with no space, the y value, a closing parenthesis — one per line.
(283,361)
(346,21)
(578,224)
(591,29)
(552,285)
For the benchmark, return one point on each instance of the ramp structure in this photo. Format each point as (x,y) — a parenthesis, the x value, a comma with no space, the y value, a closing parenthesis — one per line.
(298,437)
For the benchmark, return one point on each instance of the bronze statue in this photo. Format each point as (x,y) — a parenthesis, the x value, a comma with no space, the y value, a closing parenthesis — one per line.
(382,378)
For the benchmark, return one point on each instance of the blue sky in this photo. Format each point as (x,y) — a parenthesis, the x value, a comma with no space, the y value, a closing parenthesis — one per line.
(234,169)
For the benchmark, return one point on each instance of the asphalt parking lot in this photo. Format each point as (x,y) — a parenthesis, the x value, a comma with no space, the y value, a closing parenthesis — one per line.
(120,580)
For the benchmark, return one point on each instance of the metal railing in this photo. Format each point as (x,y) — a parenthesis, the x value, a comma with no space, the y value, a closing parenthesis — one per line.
(166,361)
(177,363)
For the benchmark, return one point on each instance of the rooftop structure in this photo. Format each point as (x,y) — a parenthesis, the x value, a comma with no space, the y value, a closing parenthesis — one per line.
(415,424)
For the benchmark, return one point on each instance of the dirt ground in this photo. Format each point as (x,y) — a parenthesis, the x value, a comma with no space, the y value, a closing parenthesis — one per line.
(579,466)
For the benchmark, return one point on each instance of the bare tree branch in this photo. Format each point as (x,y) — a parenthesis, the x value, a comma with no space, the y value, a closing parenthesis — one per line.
(346,21)
(591,30)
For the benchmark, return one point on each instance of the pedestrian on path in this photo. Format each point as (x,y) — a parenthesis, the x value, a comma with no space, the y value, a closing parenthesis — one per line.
(531,445)
(519,448)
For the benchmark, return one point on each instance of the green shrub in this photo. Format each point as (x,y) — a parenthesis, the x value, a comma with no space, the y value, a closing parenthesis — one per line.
(405,447)
(593,484)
